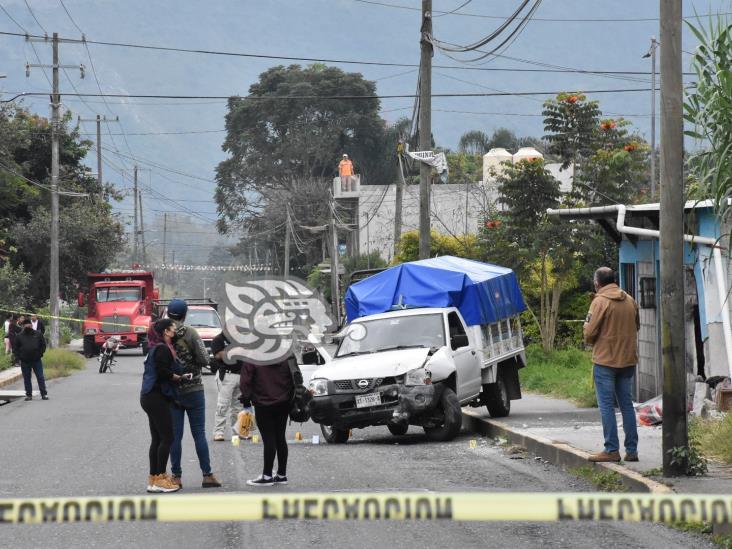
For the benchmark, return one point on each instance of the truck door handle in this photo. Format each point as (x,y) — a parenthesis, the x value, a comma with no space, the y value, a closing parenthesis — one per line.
(472,353)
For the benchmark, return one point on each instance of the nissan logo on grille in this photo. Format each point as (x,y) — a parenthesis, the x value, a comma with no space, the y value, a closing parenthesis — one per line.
(363,383)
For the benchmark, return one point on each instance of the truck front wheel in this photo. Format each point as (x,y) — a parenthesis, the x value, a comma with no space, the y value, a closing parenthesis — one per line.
(495,397)
(453,422)
(90,347)
(333,435)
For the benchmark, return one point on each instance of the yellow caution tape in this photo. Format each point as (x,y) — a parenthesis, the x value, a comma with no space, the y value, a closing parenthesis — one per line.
(480,506)
(70,319)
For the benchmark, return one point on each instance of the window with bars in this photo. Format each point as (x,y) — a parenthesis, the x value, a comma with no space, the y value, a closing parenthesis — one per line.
(628,270)
(648,293)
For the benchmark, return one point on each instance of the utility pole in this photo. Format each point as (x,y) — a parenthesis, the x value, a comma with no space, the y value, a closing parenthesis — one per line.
(55,126)
(55,121)
(204,279)
(334,292)
(142,230)
(135,256)
(398,200)
(425,127)
(286,270)
(165,241)
(675,433)
(368,239)
(99,119)
(652,54)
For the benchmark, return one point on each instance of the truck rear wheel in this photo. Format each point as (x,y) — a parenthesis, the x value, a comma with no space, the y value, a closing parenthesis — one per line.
(333,435)
(450,428)
(90,347)
(496,397)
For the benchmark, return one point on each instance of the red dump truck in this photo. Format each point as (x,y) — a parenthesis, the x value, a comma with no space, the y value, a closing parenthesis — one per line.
(120,304)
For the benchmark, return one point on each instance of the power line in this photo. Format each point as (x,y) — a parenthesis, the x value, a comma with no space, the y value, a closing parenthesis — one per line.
(543,19)
(321,97)
(25,34)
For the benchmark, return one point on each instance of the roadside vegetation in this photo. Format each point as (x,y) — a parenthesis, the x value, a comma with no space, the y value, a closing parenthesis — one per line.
(713,437)
(61,363)
(563,373)
(4,362)
(605,481)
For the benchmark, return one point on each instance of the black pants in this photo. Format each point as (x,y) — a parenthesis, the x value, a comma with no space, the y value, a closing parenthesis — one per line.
(272,423)
(157,408)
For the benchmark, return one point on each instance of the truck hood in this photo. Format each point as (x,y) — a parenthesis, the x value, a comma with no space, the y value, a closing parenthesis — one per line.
(383,364)
(207,333)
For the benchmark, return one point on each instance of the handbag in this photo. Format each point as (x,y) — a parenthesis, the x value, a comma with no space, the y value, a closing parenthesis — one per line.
(301,397)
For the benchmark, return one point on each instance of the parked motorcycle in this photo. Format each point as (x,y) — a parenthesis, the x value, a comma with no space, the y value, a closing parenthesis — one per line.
(108,352)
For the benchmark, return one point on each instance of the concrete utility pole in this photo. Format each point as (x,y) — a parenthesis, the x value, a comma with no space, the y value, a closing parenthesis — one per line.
(368,239)
(286,270)
(55,121)
(204,279)
(142,231)
(135,256)
(425,127)
(334,291)
(652,54)
(398,204)
(675,433)
(165,242)
(55,126)
(99,119)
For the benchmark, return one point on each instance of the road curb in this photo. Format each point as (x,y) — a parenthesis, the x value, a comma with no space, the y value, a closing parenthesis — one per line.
(559,453)
(14,374)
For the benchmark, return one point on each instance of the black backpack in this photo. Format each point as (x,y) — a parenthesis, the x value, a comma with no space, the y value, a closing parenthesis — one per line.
(301,397)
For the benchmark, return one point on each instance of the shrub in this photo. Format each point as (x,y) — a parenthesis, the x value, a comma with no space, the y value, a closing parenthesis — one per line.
(565,373)
(61,363)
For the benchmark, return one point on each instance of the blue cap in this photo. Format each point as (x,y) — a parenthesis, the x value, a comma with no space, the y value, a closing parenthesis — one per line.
(177,309)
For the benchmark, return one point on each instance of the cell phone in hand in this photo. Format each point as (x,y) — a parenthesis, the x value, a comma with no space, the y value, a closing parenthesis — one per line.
(187,377)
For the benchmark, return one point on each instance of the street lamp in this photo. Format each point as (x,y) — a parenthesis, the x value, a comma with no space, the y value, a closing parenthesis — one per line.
(652,54)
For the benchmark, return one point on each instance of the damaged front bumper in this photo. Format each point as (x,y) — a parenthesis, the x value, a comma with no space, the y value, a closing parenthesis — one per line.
(399,404)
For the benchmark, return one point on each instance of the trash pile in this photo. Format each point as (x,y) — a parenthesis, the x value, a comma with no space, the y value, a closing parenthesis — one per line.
(712,398)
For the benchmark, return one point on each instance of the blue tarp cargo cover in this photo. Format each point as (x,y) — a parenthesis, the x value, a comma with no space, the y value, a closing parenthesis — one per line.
(483,293)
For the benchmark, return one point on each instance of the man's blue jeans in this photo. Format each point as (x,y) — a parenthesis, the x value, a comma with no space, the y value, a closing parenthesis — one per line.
(36,367)
(612,383)
(193,404)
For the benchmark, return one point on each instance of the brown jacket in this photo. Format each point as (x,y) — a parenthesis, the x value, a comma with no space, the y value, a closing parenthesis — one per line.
(611,328)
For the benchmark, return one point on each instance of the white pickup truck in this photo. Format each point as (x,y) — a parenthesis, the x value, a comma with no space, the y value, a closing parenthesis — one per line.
(417,366)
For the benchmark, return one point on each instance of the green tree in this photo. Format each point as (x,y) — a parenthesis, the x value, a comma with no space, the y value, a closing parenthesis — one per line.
(542,253)
(474,142)
(709,110)
(464,167)
(460,246)
(570,123)
(271,140)
(90,235)
(14,284)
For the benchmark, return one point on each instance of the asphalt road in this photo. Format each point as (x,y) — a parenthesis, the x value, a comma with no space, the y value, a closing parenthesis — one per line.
(91,439)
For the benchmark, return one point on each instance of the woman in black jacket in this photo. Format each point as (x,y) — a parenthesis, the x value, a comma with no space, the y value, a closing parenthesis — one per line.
(269,387)
(155,398)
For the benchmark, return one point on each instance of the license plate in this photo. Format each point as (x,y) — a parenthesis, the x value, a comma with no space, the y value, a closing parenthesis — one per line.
(363,401)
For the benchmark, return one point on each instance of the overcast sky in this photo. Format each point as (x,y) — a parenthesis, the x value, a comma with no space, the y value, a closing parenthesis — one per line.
(578,34)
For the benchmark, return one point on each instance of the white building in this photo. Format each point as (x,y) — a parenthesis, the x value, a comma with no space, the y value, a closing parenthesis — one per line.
(456,209)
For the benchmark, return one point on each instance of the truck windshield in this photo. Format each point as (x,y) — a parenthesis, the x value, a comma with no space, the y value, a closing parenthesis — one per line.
(203,318)
(393,333)
(118,293)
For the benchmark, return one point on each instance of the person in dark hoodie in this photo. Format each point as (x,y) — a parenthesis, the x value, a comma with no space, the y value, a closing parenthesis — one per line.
(269,387)
(28,348)
(611,328)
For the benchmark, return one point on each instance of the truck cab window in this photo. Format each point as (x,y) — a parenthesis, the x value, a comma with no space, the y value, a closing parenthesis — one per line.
(458,337)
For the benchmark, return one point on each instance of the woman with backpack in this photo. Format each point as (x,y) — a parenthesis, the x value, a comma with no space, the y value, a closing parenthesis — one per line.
(159,389)
(270,388)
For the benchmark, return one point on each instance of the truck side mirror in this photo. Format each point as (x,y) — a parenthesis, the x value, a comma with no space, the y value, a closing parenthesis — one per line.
(80,299)
(156,294)
(459,340)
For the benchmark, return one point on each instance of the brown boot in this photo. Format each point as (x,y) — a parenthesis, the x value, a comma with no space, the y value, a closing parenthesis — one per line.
(164,484)
(604,457)
(210,481)
(176,480)
(631,457)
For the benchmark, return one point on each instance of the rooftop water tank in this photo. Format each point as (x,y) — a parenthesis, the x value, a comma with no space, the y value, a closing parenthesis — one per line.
(492,161)
(527,153)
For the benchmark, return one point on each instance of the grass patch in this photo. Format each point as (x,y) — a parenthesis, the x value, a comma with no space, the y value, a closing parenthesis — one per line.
(565,373)
(61,363)
(713,437)
(605,481)
(4,362)
(655,472)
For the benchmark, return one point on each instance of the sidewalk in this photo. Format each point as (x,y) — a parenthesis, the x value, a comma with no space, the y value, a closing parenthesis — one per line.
(565,435)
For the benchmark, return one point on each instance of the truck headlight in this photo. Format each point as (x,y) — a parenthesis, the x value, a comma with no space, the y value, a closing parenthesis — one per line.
(319,387)
(140,329)
(418,376)
(90,331)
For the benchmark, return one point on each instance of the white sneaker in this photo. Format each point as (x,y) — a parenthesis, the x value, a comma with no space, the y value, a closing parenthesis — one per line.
(261,480)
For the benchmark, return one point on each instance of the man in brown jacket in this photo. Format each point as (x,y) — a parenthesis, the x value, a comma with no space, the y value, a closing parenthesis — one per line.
(611,328)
